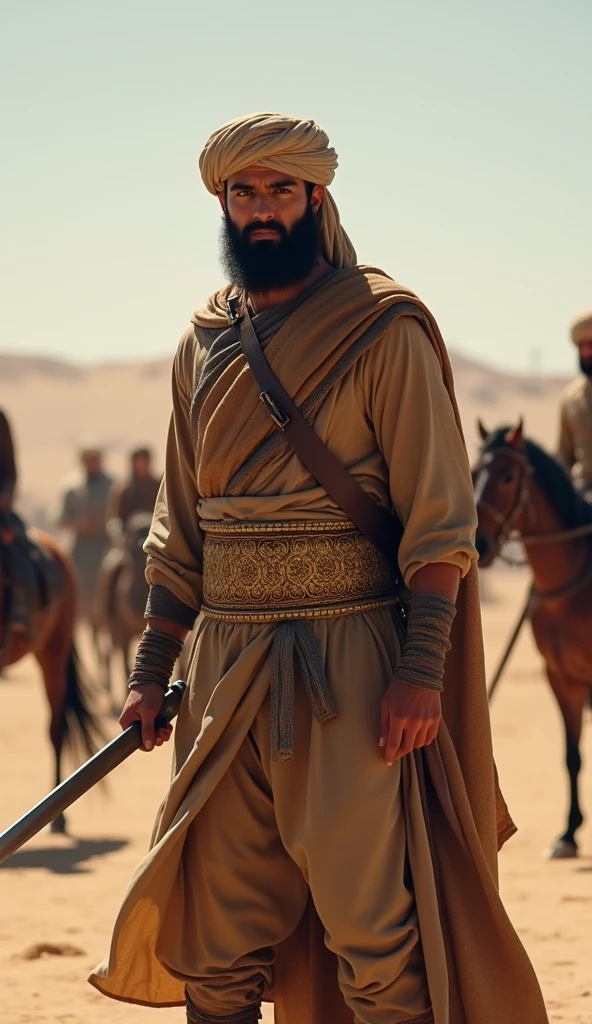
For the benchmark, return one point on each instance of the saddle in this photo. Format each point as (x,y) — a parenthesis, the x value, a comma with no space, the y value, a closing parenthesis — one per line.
(29,576)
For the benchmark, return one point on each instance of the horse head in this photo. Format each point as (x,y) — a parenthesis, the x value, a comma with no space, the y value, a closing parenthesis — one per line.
(500,481)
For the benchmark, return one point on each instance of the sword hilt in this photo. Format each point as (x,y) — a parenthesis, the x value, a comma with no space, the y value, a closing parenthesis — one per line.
(85,777)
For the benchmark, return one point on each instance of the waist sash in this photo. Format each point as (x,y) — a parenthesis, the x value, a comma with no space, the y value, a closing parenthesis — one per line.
(269,572)
(285,572)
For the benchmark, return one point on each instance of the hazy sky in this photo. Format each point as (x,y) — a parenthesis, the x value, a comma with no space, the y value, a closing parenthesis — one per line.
(464,132)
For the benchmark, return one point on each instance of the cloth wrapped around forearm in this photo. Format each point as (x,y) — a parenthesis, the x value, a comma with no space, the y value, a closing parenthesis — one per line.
(164,605)
(155,658)
(429,623)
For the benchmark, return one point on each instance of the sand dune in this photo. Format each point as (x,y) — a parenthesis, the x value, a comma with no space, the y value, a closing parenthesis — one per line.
(53,404)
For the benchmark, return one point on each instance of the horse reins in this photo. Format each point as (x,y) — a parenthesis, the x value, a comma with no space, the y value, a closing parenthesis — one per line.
(506,522)
(522,503)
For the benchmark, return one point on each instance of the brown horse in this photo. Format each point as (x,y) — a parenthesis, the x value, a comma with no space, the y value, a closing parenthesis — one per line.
(522,491)
(38,580)
(51,640)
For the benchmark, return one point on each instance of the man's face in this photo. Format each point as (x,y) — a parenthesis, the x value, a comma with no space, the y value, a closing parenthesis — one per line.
(270,232)
(141,466)
(585,348)
(91,462)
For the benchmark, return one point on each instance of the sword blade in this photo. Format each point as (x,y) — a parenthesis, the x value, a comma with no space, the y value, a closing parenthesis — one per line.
(87,776)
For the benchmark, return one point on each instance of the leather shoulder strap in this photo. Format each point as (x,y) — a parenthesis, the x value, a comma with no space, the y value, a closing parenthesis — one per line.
(380,526)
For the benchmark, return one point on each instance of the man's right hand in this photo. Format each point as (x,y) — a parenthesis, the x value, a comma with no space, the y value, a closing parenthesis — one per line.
(143,705)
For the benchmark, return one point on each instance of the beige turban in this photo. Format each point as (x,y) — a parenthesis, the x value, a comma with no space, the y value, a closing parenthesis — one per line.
(285,144)
(581,328)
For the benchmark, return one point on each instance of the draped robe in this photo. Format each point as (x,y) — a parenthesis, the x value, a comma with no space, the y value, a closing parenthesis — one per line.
(359,343)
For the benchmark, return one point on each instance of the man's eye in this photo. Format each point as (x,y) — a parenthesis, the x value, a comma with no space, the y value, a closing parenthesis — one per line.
(283,191)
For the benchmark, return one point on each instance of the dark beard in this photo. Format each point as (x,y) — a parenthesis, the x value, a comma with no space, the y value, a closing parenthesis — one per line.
(586,365)
(264,266)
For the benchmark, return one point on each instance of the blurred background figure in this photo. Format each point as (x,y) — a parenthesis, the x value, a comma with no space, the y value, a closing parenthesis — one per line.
(23,586)
(7,465)
(122,590)
(575,431)
(136,494)
(82,511)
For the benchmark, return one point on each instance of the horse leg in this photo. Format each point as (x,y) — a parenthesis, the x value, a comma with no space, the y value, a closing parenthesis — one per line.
(572,698)
(105,656)
(53,668)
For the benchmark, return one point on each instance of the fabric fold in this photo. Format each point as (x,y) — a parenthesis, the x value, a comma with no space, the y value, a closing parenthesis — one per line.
(294,640)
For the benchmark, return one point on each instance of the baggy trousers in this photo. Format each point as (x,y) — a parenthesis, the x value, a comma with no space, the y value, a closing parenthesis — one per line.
(328,822)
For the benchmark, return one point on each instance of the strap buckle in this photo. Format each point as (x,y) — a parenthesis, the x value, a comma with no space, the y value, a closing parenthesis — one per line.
(232,310)
(280,418)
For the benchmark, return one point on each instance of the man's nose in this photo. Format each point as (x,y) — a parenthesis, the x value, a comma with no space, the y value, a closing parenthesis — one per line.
(263,209)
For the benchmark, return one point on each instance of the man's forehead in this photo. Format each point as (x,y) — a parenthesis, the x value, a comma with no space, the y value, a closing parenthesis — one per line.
(264,177)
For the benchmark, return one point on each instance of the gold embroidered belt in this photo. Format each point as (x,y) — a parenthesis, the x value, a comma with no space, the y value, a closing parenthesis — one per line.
(270,572)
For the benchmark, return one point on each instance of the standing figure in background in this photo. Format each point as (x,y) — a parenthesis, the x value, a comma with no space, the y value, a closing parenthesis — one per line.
(575,433)
(83,511)
(121,595)
(136,494)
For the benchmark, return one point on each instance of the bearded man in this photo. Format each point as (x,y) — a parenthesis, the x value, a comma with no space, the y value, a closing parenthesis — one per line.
(330,837)
(575,428)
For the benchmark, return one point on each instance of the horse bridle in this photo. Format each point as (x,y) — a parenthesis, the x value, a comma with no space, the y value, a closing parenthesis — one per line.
(507,522)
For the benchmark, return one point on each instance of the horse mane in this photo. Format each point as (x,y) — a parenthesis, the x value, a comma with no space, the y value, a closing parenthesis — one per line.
(553,479)
(7,459)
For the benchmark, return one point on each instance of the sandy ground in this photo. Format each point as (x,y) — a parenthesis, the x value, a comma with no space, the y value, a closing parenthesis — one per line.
(64,893)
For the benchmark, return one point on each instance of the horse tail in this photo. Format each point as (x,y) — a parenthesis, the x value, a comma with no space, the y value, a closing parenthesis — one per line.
(81,730)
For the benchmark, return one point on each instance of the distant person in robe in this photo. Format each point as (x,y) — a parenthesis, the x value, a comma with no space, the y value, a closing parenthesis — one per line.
(575,427)
(82,511)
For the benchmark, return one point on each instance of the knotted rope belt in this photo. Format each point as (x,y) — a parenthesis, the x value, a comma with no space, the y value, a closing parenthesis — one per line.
(287,573)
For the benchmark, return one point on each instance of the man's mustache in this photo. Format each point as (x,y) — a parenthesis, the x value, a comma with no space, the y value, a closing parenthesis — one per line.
(269,225)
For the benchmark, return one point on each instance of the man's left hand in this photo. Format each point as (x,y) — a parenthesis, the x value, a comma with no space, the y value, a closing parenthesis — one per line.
(409,719)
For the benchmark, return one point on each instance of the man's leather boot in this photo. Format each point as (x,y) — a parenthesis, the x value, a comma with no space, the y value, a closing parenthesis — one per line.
(252,1015)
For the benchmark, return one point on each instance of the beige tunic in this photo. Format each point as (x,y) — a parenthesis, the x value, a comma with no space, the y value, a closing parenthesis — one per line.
(575,435)
(391,421)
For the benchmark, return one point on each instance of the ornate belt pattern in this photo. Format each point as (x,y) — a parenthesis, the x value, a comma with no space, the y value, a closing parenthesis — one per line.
(269,572)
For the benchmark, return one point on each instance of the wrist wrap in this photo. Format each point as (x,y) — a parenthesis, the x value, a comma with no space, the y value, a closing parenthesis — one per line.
(155,658)
(164,605)
(428,641)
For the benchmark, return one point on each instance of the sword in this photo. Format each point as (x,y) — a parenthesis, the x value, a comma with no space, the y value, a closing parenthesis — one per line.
(87,776)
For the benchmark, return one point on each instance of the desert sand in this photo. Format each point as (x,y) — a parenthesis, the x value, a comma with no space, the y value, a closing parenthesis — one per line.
(53,405)
(59,895)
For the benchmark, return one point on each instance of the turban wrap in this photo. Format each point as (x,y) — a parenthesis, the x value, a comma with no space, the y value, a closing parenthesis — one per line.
(285,144)
(581,328)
